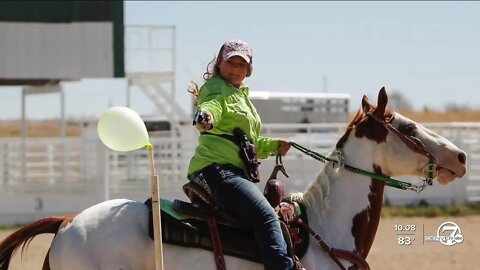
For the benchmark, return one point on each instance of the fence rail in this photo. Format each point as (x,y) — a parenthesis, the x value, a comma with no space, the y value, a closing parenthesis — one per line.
(84,165)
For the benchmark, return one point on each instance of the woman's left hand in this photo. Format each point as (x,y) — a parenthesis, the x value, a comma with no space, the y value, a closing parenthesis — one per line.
(283,147)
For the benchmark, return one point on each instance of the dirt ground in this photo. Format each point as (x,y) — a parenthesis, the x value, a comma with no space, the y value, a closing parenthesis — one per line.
(386,253)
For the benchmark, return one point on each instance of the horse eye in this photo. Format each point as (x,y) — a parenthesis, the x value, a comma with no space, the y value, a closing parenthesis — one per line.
(410,129)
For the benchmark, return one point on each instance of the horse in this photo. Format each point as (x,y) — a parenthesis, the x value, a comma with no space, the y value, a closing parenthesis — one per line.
(343,207)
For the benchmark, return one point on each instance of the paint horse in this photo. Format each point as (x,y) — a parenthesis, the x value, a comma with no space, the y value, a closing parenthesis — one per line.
(343,207)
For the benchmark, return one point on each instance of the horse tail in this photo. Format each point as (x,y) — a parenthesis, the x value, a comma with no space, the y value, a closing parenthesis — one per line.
(23,236)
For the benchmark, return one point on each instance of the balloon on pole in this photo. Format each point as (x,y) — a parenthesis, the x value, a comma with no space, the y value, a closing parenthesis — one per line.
(122,129)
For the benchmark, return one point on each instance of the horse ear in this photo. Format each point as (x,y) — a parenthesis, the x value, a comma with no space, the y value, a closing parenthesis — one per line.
(382,101)
(366,106)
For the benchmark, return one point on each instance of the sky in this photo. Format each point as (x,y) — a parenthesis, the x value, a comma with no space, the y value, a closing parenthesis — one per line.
(429,51)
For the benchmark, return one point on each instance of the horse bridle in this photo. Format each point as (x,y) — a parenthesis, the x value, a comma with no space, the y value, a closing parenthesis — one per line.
(414,144)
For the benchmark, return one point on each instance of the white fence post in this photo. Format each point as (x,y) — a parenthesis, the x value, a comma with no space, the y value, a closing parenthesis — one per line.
(103,170)
(51,164)
(6,167)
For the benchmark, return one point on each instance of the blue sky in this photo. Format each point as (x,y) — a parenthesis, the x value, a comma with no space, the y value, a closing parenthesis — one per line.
(430,51)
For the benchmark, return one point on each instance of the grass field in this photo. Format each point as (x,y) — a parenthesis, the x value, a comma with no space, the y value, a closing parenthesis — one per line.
(52,128)
(37,129)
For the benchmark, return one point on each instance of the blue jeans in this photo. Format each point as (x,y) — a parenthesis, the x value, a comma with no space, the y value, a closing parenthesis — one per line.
(234,193)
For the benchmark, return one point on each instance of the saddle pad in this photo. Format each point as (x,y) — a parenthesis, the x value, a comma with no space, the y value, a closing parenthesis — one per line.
(194,233)
(178,229)
(167,206)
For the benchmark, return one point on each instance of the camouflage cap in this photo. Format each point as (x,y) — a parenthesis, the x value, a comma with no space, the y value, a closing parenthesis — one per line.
(237,47)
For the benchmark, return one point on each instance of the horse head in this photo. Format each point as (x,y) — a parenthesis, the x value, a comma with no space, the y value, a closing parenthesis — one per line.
(403,147)
(386,143)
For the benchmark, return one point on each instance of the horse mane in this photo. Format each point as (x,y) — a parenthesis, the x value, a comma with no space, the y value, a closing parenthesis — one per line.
(319,190)
(316,198)
(358,117)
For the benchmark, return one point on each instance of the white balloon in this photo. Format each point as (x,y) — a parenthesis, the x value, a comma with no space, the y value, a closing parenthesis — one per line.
(122,129)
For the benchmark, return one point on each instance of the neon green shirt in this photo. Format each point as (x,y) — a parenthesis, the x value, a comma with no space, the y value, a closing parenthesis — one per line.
(229,108)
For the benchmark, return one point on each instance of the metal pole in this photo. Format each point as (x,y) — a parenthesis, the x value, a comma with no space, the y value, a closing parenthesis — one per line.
(24,137)
(63,133)
(129,92)
(174,121)
(324,83)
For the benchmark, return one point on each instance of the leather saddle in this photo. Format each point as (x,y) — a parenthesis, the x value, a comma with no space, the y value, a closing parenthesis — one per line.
(202,206)
(206,226)
(193,229)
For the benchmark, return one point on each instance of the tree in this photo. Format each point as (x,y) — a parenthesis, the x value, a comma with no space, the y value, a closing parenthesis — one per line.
(454,107)
(398,101)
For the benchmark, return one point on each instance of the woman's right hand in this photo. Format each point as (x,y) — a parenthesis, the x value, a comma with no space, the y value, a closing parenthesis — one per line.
(203,121)
(283,147)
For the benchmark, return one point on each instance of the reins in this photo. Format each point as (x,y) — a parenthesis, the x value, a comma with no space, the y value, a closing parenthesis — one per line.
(335,253)
(391,182)
(412,142)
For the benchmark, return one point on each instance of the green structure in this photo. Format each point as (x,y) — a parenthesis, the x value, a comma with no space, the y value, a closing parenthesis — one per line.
(71,11)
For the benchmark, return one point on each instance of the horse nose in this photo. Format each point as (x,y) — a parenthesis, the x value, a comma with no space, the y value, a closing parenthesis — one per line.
(462,157)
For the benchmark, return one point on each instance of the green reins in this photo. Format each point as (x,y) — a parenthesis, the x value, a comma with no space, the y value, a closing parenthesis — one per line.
(387,179)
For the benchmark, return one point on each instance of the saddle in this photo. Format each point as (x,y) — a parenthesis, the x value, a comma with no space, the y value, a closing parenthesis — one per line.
(202,206)
(204,225)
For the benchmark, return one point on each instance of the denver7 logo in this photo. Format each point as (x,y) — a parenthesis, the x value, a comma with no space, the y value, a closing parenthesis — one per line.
(455,236)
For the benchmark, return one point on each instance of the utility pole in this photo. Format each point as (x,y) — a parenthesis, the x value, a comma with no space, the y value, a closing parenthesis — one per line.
(324,83)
